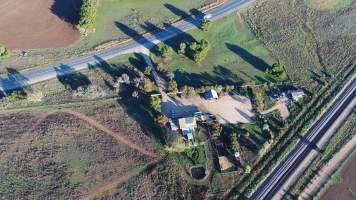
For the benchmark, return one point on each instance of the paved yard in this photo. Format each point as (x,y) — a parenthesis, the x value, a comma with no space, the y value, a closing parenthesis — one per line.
(228,109)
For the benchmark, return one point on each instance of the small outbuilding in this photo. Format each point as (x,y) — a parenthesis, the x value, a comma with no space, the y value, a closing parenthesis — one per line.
(211,94)
(225,164)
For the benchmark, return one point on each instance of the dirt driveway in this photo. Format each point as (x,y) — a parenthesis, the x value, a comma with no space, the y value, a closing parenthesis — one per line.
(228,109)
(30,24)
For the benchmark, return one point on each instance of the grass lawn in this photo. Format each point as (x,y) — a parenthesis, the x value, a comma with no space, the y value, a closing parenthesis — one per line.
(235,56)
(133,13)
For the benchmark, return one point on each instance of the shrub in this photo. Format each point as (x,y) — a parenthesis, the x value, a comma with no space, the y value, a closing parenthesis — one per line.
(188,91)
(87,14)
(205,25)
(3,51)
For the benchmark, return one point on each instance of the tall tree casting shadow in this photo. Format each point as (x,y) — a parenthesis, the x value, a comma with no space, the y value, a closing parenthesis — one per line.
(253,60)
(70,78)
(67,10)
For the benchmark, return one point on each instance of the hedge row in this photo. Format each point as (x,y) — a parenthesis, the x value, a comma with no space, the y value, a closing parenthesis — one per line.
(87,14)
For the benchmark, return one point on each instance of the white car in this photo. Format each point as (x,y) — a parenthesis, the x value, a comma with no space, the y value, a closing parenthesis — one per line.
(208,16)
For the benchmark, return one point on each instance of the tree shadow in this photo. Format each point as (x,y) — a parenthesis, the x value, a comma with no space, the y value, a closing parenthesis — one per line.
(67,10)
(221,76)
(135,35)
(70,78)
(194,17)
(141,112)
(258,63)
(174,42)
(15,81)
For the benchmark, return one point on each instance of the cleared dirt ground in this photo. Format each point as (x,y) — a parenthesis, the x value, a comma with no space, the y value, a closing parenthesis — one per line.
(38,23)
(228,109)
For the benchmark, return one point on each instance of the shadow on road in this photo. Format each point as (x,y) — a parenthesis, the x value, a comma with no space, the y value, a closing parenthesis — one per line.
(14,81)
(70,78)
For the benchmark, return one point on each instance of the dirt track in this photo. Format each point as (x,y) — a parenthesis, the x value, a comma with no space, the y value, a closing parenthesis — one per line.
(31,24)
(116,136)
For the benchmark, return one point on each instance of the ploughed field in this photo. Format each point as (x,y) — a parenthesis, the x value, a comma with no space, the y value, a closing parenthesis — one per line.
(59,155)
(38,23)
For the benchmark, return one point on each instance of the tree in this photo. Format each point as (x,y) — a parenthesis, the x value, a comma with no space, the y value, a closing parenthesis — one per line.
(147,71)
(247,169)
(218,88)
(198,51)
(155,103)
(135,94)
(182,48)
(276,70)
(3,51)
(172,86)
(147,85)
(205,24)
(188,91)
(124,78)
(165,51)
(162,120)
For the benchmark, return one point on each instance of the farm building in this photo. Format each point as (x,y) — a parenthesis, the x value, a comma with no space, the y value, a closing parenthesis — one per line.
(297,94)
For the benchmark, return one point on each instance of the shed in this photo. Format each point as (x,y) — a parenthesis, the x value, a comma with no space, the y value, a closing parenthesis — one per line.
(211,94)
(187,123)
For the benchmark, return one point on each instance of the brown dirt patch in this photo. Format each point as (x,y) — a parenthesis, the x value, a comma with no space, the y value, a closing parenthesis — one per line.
(38,23)
(346,190)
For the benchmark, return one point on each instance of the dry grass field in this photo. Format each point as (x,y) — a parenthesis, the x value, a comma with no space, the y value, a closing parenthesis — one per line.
(60,156)
(307,41)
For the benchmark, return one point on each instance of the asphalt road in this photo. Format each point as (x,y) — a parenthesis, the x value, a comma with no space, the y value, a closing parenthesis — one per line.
(280,174)
(18,80)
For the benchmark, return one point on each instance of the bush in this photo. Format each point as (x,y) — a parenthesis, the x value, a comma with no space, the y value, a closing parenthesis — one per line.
(276,70)
(87,14)
(147,85)
(3,51)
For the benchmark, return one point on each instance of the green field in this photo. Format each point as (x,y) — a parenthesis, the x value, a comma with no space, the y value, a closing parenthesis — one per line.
(235,56)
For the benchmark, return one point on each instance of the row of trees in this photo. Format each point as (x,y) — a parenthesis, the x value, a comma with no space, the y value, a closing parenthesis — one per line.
(195,50)
(87,14)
